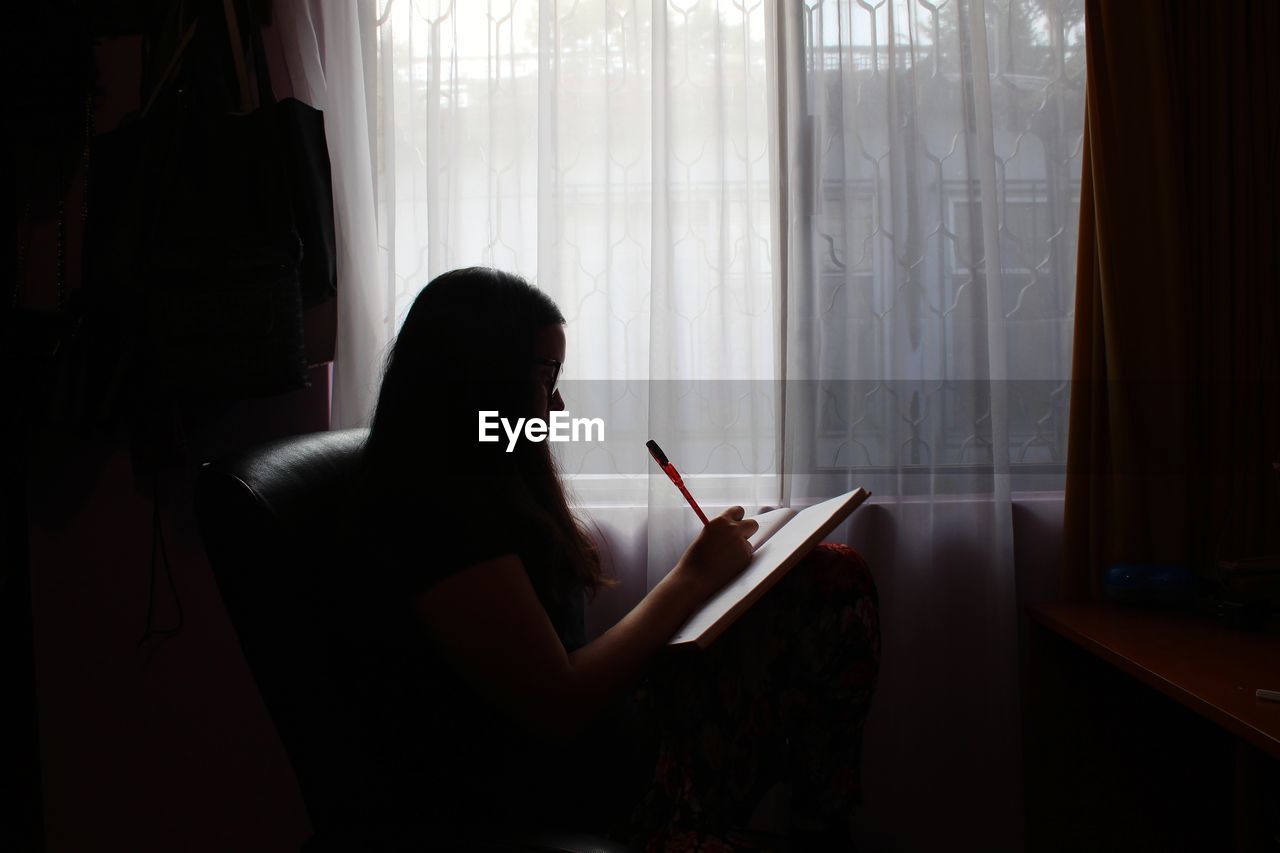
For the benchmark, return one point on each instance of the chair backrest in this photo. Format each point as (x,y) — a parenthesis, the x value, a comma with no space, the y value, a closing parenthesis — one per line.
(272,522)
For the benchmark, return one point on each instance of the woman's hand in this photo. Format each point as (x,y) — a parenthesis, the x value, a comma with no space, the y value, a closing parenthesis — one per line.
(719,553)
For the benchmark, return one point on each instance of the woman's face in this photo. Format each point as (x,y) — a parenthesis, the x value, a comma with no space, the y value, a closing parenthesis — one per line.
(548,347)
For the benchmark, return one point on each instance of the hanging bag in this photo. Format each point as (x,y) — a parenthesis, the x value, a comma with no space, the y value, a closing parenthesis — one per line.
(194,257)
(304,159)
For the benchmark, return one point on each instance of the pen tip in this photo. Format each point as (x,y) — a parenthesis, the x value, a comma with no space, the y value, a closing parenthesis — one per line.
(656,451)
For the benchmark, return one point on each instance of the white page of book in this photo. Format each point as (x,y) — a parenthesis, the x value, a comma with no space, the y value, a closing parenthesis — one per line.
(771,556)
(770,523)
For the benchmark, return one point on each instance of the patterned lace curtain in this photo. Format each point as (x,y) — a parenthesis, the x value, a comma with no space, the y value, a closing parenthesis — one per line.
(617,154)
(934,155)
(932,158)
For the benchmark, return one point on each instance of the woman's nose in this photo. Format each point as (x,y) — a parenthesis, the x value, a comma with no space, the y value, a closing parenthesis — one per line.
(557,402)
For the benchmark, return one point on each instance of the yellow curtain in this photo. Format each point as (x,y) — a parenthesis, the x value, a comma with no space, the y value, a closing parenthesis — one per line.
(1175,404)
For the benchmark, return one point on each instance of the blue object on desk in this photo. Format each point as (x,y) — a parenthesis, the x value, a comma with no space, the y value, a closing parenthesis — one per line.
(1150,583)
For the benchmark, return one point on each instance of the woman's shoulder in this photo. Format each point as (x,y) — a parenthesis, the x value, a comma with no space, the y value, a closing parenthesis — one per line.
(418,540)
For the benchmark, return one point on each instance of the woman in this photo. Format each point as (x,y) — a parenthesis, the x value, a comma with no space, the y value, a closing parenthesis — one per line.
(486,702)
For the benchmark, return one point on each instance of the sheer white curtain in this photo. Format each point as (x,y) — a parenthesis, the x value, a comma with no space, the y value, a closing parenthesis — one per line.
(933,160)
(618,155)
(327,50)
(804,245)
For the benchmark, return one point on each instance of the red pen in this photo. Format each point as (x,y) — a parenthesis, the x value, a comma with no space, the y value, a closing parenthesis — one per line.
(665,465)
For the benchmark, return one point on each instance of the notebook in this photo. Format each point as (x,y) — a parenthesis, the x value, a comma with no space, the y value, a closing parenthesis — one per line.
(784,538)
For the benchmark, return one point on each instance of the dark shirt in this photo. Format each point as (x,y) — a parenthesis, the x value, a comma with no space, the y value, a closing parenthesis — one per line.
(441,750)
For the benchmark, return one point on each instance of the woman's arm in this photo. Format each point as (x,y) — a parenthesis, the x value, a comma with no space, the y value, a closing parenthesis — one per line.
(489,625)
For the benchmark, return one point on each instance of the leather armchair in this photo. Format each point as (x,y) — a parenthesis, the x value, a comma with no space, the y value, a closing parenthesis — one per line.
(269,520)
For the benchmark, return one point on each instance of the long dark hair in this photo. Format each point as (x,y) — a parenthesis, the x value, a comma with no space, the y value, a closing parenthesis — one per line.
(466,346)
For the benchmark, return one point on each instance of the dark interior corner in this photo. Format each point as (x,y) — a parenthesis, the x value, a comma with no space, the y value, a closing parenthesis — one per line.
(86,493)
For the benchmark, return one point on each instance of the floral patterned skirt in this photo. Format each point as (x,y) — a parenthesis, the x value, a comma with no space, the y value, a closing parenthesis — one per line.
(682,762)
(782,695)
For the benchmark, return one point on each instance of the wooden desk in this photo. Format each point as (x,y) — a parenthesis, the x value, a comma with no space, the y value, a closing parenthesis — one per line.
(1114,765)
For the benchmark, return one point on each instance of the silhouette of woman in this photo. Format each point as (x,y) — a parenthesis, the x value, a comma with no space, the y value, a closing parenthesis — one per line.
(484,702)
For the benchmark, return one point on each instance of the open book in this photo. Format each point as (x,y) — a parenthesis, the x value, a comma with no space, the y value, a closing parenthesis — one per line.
(784,538)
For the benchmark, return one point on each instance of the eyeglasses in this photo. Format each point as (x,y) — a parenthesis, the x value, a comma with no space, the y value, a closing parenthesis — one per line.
(555,374)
